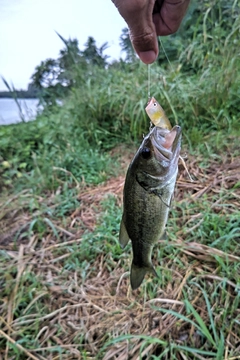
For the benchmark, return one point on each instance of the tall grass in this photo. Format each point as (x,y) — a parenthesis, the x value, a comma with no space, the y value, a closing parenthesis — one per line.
(13,92)
(199,90)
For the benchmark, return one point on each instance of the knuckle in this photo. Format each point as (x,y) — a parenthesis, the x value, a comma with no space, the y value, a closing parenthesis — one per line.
(142,41)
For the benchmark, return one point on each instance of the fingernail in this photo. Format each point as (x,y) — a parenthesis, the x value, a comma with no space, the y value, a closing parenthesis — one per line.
(147,57)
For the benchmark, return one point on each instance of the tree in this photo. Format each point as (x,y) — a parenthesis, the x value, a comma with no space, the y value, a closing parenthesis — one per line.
(126,46)
(69,60)
(45,79)
(54,78)
(46,74)
(93,54)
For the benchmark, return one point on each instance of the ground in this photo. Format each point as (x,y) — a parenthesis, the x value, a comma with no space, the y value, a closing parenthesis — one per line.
(65,291)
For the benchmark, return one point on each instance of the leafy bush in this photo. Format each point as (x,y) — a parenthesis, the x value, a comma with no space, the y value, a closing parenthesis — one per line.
(105,105)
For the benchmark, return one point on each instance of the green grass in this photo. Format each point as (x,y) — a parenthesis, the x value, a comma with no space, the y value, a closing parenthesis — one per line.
(74,284)
(64,278)
(47,153)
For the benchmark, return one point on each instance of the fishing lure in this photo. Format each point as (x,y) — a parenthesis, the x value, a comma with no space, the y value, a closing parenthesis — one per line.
(157,114)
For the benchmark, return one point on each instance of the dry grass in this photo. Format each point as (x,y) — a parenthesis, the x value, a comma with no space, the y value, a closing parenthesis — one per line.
(53,307)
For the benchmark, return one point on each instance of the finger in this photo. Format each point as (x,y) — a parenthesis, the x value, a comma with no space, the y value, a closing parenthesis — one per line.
(138,15)
(168,19)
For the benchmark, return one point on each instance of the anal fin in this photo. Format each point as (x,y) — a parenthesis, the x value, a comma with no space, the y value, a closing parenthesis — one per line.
(123,235)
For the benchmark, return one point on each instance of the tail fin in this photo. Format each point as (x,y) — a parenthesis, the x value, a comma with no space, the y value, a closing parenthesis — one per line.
(138,273)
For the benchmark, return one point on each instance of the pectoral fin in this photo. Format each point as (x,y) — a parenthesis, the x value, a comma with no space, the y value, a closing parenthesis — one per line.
(123,235)
(147,181)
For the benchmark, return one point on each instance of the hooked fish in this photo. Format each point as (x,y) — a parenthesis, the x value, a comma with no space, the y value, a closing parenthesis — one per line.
(157,114)
(148,190)
(158,117)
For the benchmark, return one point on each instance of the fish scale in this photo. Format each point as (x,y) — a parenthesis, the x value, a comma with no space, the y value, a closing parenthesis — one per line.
(148,190)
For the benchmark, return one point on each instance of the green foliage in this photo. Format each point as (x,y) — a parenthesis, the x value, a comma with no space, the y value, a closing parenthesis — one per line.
(200,88)
(93,54)
(216,30)
(48,151)
(14,94)
(105,106)
(55,77)
(126,46)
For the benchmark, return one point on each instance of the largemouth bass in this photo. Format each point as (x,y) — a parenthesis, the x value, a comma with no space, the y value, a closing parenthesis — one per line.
(148,190)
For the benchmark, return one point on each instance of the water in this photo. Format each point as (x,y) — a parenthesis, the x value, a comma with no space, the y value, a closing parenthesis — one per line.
(9,112)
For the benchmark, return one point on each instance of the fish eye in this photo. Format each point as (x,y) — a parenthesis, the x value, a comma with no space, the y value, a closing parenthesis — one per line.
(146,153)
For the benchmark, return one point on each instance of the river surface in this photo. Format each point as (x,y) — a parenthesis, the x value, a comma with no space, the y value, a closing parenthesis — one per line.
(10,114)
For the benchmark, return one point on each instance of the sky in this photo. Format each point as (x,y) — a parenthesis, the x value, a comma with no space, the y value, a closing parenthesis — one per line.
(27,32)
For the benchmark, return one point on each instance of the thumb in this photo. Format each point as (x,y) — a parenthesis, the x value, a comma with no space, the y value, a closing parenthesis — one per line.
(138,15)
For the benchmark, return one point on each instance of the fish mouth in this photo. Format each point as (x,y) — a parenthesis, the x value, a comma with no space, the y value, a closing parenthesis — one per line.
(150,103)
(150,100)
(166,144)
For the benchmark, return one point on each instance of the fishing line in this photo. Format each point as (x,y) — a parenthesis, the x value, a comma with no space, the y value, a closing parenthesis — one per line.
(164,51)
(149,67)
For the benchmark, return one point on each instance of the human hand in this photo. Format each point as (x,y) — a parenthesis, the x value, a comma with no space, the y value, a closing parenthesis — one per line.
(148,19)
